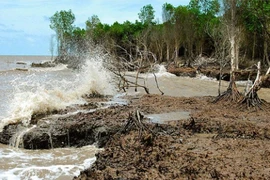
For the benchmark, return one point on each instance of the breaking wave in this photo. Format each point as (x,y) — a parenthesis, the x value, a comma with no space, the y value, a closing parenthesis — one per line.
(162,71)
(158,71)
(42,92)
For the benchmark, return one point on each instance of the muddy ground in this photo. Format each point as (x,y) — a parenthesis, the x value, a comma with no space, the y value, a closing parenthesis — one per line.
(218,141)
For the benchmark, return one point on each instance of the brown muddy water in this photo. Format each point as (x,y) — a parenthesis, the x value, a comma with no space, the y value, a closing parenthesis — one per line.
(59,164)
(187,87)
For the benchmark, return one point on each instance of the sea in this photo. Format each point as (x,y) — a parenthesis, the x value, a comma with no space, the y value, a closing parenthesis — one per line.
(26,90)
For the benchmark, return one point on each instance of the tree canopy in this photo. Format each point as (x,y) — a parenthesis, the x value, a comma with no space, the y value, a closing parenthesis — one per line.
(62,24)
(184,33)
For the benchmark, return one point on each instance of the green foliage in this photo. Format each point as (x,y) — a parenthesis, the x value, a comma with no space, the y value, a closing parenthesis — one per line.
(167,12)
(147,14)
(62,24)
(62,21)
(209,7)
(92,22)
(186,27)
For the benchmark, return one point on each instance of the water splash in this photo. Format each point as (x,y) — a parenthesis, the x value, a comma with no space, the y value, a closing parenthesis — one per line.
(41,92)
(160,71)
(17,138)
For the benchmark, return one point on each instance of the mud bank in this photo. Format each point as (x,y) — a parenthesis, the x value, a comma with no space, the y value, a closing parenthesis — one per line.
(217,142)
(75,126)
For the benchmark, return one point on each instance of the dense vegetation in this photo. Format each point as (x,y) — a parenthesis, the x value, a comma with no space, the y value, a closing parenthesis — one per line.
(222,29)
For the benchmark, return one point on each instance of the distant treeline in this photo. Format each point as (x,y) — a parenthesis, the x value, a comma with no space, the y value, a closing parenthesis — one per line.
(202,28)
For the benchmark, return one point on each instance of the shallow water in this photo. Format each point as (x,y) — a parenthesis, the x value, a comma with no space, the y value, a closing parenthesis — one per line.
(64,163)
(166,117)
(186,86)
(39,90)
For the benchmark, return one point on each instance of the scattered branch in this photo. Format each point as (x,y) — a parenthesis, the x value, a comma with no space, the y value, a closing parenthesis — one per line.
(135,121)
(144,57)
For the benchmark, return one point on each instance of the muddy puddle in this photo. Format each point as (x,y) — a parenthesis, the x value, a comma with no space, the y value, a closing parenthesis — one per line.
(164,118)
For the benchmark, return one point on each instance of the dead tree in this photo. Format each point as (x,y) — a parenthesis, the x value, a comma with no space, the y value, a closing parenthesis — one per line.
(221,44)
(251,98)
(232,94)
(143,61)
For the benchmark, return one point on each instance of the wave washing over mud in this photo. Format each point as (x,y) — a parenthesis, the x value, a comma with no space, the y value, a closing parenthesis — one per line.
(42,92)
(62,163)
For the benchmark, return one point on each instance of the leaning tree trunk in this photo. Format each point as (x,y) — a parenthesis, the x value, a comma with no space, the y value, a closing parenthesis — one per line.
(251,98)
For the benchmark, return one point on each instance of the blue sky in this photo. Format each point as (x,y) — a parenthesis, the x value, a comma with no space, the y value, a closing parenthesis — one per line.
(24,24)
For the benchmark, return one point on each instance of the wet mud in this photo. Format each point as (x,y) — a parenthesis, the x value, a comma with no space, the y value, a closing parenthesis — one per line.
(218,141)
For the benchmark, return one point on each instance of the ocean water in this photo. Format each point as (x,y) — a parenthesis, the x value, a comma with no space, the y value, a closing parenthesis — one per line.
(61,164)
(26,90)
(40,90)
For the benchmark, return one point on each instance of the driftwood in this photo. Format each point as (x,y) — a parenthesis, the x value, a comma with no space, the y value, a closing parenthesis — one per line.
(136,65)
(124,83)
(162,93)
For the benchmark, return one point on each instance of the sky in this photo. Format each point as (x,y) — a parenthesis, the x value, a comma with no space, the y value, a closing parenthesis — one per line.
(24,24)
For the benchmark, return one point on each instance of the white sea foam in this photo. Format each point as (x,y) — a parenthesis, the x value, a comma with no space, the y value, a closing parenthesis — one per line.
(40,92)
(158,71)
(204,77)
(161,71)
(64,163)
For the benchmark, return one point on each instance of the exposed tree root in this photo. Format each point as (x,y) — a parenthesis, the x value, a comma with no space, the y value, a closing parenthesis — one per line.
(135,122)
(251,98)
(231,94)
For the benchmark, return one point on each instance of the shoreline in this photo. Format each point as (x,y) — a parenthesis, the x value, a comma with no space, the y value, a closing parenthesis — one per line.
(216,141)
(160,146)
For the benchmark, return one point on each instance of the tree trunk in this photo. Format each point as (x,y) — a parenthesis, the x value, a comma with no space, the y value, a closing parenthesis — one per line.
(265,53)
(233,53)
(234,41)
(168,52)
(251,97)
(176,49)
(253,48)
(232,94)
